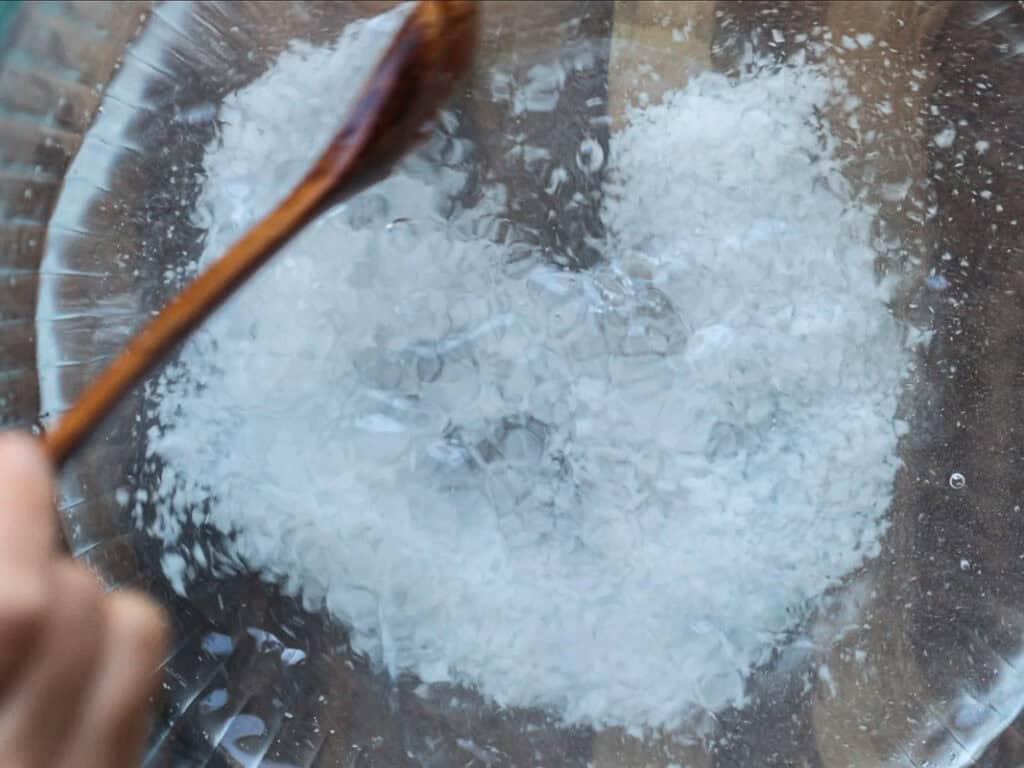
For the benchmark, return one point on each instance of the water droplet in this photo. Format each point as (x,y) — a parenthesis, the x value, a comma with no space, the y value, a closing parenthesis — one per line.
(957,481)
(590,156)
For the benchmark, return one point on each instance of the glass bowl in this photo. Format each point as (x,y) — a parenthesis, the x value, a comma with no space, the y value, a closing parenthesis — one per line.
(911,660)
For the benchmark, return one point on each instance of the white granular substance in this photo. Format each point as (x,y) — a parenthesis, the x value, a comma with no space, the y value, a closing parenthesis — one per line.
(610,493)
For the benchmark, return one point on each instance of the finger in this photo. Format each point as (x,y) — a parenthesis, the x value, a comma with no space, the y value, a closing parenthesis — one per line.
(113,730)
(27,531)
(45,701)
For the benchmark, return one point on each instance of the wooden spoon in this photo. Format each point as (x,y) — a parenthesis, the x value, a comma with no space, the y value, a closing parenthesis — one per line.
(415,76)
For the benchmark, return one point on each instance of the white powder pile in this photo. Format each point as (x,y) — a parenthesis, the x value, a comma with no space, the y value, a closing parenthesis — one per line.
(607,493)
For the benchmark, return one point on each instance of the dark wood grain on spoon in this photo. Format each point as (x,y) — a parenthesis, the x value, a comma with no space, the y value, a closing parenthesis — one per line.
(428,55)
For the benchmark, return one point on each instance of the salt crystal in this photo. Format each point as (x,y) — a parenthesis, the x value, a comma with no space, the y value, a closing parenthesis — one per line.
(590,492)
(944,139)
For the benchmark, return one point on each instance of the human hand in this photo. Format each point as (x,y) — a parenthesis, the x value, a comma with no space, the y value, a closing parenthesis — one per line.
(77,665)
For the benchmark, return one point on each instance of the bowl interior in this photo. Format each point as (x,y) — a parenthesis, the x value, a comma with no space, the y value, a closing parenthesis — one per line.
(910,660)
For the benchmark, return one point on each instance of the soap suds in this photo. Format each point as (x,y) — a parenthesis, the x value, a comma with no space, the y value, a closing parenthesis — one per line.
(608,493)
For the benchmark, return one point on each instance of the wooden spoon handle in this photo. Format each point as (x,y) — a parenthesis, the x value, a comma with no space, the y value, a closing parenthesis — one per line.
(416,74)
